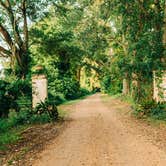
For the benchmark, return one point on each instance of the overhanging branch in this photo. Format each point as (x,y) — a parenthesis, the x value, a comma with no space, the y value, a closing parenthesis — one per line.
(7,6)
(6,35)
(4,52)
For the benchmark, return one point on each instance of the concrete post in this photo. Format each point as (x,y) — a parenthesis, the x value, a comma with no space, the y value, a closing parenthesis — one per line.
(39,89)
(159,87)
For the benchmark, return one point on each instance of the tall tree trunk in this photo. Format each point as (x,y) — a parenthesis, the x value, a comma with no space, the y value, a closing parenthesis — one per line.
(79,74)
(136,87)
(164,28)
(18,42)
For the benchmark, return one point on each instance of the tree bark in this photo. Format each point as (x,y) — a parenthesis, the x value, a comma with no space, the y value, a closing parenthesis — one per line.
(18,43)
(79,74)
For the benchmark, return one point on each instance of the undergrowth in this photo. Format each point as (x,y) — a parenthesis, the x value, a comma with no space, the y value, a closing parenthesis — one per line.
(146,109)
(10,127)
(151,109)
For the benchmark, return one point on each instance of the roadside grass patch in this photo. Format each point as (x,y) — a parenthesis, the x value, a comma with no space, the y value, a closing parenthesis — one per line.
(11,136)
(150,111)
(69,102)
(127,99)
(11,127)
(62,113)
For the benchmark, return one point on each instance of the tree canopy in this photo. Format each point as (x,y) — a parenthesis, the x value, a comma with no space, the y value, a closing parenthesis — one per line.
(115,41)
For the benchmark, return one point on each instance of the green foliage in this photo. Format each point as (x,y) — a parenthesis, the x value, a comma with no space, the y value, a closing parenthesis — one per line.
(20,88)
(13,120)
(39,119)
(152,109)
(20,118)
(8,138)
(111,85)
(4,125)
(24,102)
(48,107)
(10,127)
(5,100)
(159,112)
(58,98)
(84,92)
(106,84)
(137,42)
(10,93)
(66,42)
(15,34)
(69,87)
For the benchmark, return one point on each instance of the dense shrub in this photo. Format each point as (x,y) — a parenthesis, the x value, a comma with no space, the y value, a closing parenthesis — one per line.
(57,98)
(67,86)
(39,119)
(24,102)
(48,107)
(20,88)
(9,126)
(84,92)
(111,85)
(4,125)
(159,112)
(10,93)
(24,117)
(14,119)
(151,109)
(19,118)
(5,99)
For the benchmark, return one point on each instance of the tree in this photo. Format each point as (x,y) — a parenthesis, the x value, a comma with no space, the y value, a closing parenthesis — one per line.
(138,45)
(15,16)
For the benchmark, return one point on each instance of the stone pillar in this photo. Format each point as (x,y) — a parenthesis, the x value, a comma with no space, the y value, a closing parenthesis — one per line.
(126,84)
(159,82)
(39,89)
(159,87)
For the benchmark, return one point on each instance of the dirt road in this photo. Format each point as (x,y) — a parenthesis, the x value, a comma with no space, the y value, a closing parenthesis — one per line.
(98,135)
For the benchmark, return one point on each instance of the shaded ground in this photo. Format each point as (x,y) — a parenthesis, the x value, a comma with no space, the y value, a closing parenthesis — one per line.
(101,134)
(99,131)
(33,140)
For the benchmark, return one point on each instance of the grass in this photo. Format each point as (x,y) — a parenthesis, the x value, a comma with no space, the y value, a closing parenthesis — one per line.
(11,136)
(69,102)
(62,113)
(156,116)
(11,128)
(127,99)
(72,102)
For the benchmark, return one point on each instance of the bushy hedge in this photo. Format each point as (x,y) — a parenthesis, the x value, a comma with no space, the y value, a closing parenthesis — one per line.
(44,112)
(151,109)
(111,85)
(16,122)
(57,98)
(5,99)
(47,107)
(10,93)
(65,88)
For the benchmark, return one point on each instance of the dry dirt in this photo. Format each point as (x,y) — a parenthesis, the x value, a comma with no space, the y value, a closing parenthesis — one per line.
(33,140)
(104,134)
